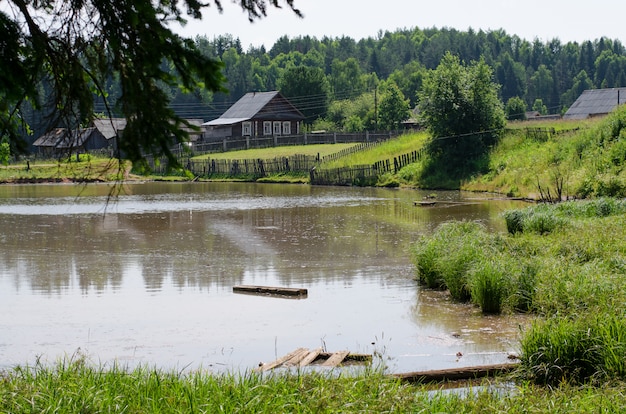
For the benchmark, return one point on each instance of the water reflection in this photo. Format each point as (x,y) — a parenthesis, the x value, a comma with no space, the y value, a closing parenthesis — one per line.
(148,276)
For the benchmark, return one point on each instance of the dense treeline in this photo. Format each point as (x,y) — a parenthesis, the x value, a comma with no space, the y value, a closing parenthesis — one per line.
(547,76)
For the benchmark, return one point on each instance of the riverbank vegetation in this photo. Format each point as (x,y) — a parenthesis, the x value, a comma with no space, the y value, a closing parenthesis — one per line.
(565,263)
(75,386)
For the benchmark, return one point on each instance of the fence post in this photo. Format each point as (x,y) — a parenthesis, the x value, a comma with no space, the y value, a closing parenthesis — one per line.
(305,138)
(247,142)
(334,137)
(224,145)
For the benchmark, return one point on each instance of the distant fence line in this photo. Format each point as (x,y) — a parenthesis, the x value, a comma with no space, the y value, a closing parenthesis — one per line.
(298,163)
(363,174)
(310,138)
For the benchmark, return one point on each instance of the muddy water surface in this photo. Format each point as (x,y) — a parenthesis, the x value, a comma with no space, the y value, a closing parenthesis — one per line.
(146,277)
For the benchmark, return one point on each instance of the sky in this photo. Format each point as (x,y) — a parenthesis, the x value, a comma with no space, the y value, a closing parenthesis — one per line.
(568,20)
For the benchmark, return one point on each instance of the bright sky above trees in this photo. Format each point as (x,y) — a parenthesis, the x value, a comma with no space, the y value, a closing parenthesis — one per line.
(569,20)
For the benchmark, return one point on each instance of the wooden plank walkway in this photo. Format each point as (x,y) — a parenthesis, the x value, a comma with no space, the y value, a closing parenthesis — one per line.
(303,357)
(270,290)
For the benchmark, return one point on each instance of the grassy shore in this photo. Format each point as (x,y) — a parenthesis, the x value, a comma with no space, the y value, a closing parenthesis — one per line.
(76,387)
(565,263)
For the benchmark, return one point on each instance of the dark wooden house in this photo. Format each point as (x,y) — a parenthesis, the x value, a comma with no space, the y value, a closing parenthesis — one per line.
(61,141)
(256,114)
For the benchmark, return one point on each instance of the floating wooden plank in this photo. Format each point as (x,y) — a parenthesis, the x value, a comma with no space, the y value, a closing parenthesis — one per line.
(312,356)
(279,361)
(453,374)
(302,357)
(353,358)
(335,359)
(297,357)
(270,290)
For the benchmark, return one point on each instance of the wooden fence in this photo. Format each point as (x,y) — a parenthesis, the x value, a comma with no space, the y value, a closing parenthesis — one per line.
(251,167)
(240,143)
(305,164)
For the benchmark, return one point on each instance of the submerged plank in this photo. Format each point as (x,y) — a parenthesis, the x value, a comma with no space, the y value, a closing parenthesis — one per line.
(298,356)
(270,290)
(335,359)
(312,356)
(464,373)
(279,361)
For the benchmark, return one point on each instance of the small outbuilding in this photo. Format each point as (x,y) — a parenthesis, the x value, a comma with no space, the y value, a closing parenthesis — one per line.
(256,114)
(596,102)
(62,141)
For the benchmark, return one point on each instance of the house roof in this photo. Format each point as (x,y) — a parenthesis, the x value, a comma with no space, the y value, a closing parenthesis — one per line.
(268,105)
(109,127)
(76,139)
(594,102)
(52,138)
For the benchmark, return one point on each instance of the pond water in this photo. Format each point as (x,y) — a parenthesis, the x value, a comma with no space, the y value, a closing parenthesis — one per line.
(146,276)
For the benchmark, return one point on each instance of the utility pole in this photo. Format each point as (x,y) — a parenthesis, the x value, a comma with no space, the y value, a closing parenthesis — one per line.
(376,107)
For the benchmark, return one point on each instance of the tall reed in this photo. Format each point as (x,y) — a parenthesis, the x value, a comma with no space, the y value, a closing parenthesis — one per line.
(489,285)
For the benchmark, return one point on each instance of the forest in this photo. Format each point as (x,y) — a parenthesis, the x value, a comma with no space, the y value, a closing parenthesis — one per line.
(547,76)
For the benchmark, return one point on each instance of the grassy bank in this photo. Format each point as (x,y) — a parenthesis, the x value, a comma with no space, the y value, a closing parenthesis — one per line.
(74,387)
(565,263)
(580,159)
(86,169)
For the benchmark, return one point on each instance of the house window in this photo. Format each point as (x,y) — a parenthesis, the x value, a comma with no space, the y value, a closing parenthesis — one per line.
(287,128)
(246,129)
(276,127)
(267,128)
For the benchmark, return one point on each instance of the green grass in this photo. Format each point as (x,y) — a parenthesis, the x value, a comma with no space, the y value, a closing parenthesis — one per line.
(274,152)
(387,150)
(77,387)
(572,275)
(587,159)
(89,168)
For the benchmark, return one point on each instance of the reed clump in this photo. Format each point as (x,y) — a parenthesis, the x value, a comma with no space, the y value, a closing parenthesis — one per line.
(564,262)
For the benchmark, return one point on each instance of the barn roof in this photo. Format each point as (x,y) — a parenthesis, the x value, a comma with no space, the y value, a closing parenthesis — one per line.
(270,105)
(52,138)
(596,102)
(109,127)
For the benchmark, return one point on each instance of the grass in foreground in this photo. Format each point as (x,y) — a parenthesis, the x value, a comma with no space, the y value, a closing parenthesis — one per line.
(74,387)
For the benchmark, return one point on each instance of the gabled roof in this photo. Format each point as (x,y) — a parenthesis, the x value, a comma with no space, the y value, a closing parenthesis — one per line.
(269,105)
(594,102)
(109,127)
(76,139)
(52,138)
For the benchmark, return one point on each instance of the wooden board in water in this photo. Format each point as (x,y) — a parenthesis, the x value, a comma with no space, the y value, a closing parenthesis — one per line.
(270,290)
(463,373)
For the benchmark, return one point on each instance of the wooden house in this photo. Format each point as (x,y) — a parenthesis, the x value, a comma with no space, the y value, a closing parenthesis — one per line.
(61,141)
(256,114)
(596,102)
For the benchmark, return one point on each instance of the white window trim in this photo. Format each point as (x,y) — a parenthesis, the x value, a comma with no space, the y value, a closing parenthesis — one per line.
(277,127)
(287,127)
(267,127)
(246,129)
